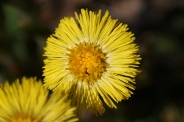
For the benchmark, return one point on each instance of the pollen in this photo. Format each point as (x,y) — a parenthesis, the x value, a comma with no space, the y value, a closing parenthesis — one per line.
(87,62)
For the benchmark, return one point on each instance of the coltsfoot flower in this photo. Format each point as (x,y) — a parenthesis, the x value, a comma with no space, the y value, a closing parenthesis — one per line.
(93,59)
(26,100)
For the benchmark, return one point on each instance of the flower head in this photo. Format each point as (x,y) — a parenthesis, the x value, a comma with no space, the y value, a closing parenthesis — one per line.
(28,101)
(93,59)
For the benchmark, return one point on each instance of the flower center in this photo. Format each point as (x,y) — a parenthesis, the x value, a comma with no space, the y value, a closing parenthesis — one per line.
(22,119)
(87,61)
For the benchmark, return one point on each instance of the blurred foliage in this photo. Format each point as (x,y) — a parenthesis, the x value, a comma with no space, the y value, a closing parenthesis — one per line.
(159,30)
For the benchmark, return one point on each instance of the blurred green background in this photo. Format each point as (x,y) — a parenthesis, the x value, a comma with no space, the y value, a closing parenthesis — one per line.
(159,30)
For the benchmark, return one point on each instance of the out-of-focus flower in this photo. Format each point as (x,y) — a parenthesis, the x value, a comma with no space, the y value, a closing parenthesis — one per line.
(28,101)
(93,59)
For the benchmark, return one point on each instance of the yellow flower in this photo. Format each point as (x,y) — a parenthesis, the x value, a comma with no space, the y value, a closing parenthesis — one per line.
(93,59)
(28,101)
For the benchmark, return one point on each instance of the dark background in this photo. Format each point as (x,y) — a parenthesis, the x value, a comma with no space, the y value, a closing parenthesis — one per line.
(158,26)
